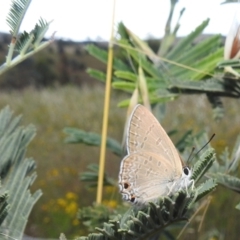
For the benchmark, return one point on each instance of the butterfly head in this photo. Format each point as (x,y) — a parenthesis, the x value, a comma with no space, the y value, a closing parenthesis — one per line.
(187,172)
(186,180)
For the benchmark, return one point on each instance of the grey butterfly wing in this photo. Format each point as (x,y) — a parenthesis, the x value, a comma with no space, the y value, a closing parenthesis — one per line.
(145,176)
(146,134)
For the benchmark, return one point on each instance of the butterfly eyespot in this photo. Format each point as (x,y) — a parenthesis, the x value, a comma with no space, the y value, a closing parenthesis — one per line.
(150,153)
(132,199)
(186,170)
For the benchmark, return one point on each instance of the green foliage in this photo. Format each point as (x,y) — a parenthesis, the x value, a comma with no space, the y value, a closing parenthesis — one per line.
(79,136)
(17,174)
(51,106)
(185,43)
(97,74)
(191,72)
(102,55)
(183,142)
(205,188)
(39,31)
(221,170)
(93,177)
(184,67)
(204,55)
(16,15)
(96,215)
(4,207)
(230,1)
(228,181)
(26,43)
(229,63)
(217,105)
(228,163)
(29,41)
(201,167)
(93,216)
(147,221)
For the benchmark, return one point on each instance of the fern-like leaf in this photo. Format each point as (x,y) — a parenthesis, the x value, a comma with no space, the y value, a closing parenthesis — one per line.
(146,222)
(92,177)
(4,207)
(17,173)
(39,31)
(205,188)
(16,15)
(186,42)
(205,162)
(228,181)
(235,157)
(151,220)
(24,42)
(79,136)
(217,105)
(28,41)
(102,55)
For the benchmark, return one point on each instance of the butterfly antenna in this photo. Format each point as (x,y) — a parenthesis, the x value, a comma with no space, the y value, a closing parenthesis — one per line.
(206,144)
(201,147)
(188,160)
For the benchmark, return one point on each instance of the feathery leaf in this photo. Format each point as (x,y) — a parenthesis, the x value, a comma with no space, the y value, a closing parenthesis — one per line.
(24,42)
(185,42)
(17,173)
(92,177)
(228,181)
(39,31)
(205,162)
(205,188)
(16,15)
(79,136)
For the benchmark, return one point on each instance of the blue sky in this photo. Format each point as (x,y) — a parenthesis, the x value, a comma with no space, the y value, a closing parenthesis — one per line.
(80,20)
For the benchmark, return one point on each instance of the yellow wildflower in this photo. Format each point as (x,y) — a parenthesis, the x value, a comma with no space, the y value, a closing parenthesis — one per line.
(71,196)
(71,208)
(110,203)
(55,172)
(75,222)
(61,202)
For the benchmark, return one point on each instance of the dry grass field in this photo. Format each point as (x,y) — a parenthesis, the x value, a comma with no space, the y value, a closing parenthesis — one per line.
(59,164)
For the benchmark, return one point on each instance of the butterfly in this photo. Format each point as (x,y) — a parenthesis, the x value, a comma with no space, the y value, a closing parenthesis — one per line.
(152,167)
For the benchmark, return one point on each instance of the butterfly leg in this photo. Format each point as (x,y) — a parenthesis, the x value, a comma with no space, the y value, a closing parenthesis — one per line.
(192,183)
(170,188)
(186,188)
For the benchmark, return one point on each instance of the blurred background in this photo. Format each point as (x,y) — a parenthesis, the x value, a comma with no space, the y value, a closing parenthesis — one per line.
(80,20)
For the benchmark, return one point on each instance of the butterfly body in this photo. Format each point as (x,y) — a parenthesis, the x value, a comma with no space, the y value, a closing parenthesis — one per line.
(152,167)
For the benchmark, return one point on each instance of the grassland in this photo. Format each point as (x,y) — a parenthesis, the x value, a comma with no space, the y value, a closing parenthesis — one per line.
(59,164)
